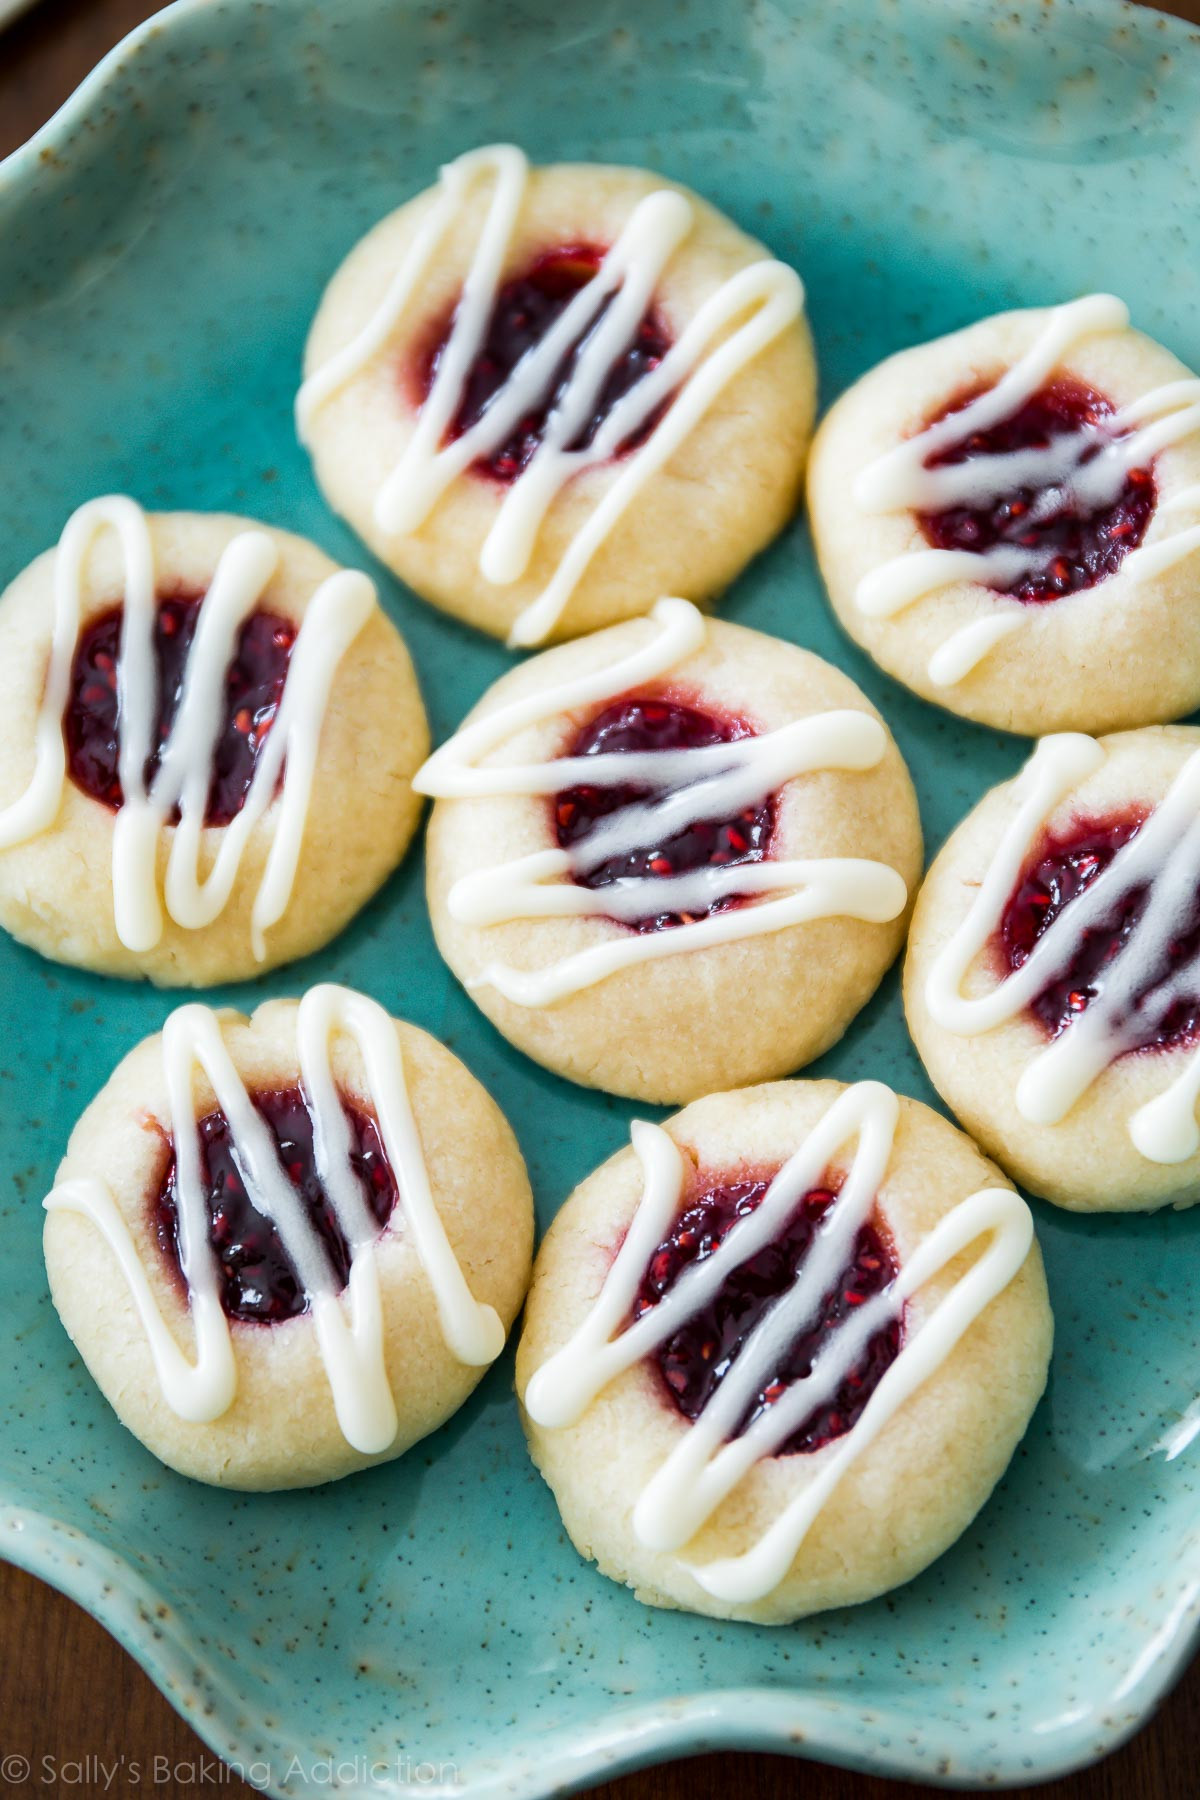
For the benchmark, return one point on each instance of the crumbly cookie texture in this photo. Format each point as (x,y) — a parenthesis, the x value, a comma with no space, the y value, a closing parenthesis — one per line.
(722,1015)
(56,886)
(722,495)
(1122,652)
(281,1429)
(912,1492)
(1088,1159)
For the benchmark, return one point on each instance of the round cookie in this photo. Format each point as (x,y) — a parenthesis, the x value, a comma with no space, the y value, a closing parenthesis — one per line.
(242,1373)
(672,857)
(652,442)
(713,1479)
(279,721)
(1007,520)
(1052,982)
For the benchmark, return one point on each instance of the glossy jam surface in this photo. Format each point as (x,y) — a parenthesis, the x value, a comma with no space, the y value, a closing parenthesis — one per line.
(258,1283)
(654,724)
(1061,868)
(695,1360)
(526,308)
(1087,546)
(254,684)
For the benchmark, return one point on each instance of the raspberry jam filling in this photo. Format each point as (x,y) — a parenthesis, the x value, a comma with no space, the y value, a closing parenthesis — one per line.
(526,307)
(258,1283)
(254,684)
(1060,870)
(1076,547)
(695,1360)
(653,724)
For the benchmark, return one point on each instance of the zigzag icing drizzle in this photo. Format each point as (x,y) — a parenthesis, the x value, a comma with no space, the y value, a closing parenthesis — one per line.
(709,1462)
(690,785)
(1164,853)
(334,617)
(692,371)
(899,481)
(352,1348)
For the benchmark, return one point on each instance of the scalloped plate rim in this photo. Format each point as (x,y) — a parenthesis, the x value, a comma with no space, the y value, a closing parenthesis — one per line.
(658,1731)
(732,1718)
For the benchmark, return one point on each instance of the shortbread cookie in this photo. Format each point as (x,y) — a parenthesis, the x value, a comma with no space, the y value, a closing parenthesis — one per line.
(546,396)
(208,736)
(289,1245)
(1053,973)
(1008,520)
(672,857)
(777,1354)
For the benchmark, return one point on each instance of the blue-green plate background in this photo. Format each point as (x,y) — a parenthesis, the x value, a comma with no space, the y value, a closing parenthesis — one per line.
(162,246)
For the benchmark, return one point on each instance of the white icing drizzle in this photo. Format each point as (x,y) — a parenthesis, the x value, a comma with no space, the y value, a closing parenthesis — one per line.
(689,785)
(693,371)
(1164,853)
(708,1462)
(899,481)
(352,1347)
(335,615)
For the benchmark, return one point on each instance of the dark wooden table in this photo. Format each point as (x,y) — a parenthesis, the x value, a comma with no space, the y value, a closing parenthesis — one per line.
(79,1711)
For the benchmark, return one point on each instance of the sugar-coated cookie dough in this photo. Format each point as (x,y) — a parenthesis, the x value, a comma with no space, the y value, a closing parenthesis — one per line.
(672,857)
(1008,520)
(546,396)
(1052,982)
(777,1354)
(359,1224)
(207,745)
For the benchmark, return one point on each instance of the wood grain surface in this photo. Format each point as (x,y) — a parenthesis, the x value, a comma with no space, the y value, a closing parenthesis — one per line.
(76,1713)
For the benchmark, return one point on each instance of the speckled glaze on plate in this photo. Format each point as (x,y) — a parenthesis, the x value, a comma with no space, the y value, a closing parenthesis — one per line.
(165,238)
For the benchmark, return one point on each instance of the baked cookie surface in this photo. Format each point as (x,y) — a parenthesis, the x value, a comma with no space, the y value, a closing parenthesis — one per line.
(288,1246)
(1052,982)
(672,857)
(1008,520)
(207,747)
(546,396)
(777,1353)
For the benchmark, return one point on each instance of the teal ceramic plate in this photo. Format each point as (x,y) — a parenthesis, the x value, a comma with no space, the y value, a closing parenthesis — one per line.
(162,246)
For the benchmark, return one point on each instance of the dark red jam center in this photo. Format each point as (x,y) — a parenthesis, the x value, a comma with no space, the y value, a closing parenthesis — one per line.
(258,1283)
(651,724)
(1086,546)
(526,308)
(694,1361)
(254,684)
(1061,869)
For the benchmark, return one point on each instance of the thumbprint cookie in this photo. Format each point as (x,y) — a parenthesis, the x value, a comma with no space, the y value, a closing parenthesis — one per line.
(288,1246)
(1053,974)
(779,1351)
(671,857)
(206,749)
(1008,520)
(546,396)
